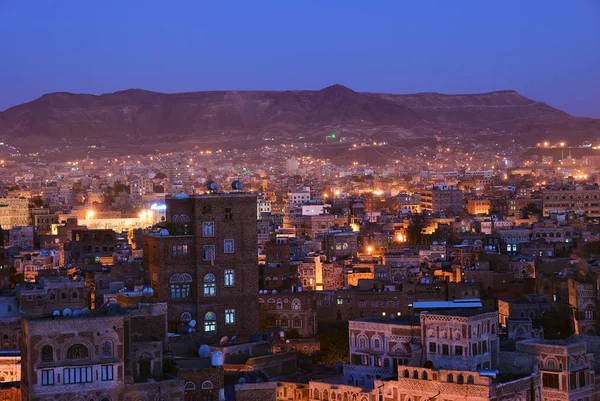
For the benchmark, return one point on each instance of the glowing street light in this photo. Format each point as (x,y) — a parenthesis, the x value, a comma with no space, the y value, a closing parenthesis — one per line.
(90,214)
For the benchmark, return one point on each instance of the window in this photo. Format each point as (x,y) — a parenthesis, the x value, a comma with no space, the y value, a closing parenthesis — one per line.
(107,372)
(458,350)
(77,375)
(362,342)
(189,390)
(207,389)
(209,253)
(210,322)
(550,380)
(376,344)
(78,351)
(180,250)
(208,229)
(229,316)
(210,287)
(228,214)
(572,380)
(106,349)
(180,286)
(340,301)
(445,349)
(296,304)
(228,246)
(450,378)
(186,317)
(432,347)
(229,277)
(48,377)
(47,353)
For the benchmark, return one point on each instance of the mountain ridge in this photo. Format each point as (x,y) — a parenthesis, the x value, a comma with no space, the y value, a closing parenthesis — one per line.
(139,113)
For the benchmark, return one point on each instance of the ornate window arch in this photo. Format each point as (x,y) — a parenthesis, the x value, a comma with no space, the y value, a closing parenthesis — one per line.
(296,305)
(210,322)
(186,317)
(210,286)
(47,353)
(78,351)
(189,386)
(207,385)
(376,342)
(180,285)
(106,349)
(362,341)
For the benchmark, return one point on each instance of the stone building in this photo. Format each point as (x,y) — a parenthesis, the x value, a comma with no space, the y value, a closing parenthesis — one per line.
(107,354)
(583,300)
(204,264)
(292,311)
(14,212)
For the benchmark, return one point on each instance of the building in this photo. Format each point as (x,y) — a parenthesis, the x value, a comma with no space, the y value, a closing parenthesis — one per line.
(442,199)
(107,354)
(577,200)
(479,206)
(14,212)
(204,264)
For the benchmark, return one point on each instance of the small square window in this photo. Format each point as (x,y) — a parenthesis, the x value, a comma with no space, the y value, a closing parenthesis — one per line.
(208,229)
(229,316)
(228,214)
(209,253)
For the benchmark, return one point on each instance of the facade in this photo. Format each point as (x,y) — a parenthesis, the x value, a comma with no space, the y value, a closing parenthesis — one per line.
(105,355)
(577,200)
(14,212)
(205,264)
(442,199)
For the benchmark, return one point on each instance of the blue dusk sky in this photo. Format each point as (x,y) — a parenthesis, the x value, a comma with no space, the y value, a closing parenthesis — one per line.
(546,50)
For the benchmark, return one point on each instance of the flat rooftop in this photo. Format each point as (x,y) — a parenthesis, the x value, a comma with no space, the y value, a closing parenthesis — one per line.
(396,320)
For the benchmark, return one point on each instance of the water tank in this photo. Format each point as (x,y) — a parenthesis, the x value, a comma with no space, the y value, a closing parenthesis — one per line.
(56,313)
(241,380)
(237,185)
(67,312)
(216,358)
(147,292)
(85,311)
(212,186)
(192,323)
(204,351)
(76,312)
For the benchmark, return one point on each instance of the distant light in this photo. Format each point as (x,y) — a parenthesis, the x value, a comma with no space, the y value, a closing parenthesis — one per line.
(158,207)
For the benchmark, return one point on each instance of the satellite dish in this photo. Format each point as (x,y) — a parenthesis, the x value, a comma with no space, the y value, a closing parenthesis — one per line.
(223,340)
(67,312)
(237,185)
(192,323)
(204,351)
(56,313)
(76,312)
(241,380)
(212,186)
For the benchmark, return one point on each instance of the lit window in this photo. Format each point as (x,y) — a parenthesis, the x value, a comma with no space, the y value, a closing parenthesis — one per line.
(210,287)
(180,250)
(180,285)
(229,278)
(210,322)
(77,375)
(296,304)
(228,246)
(229,316)
(228,214)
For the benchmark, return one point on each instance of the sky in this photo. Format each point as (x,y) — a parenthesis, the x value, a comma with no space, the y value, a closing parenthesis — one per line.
(547,50)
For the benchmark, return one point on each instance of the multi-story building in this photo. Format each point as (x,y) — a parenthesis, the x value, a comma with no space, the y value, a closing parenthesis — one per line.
(204,264)
(577,200)
(479,206)
(14,212)
(442,199)
(107,354)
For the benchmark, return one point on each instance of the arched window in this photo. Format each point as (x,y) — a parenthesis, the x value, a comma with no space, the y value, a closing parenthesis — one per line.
(210,322)
(186,317)
(424,375)
(279,303)
(78,351)
(180,285)
(106,349)
(415,374)
(207,390)
(47,353)
(376,343)
(189,391)
(405,374)
(74,296)
(325,395)
(210,286)
(470,379)
(316,394)
(460,379)
(362,342)
(450,378)
(296,304)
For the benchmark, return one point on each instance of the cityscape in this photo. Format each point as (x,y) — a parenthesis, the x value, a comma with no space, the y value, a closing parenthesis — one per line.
(296,243)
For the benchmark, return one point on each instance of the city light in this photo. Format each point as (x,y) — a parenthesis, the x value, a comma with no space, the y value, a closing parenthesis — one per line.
(90,214)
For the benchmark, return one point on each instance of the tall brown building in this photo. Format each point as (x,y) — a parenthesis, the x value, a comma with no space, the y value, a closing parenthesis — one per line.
(205,264)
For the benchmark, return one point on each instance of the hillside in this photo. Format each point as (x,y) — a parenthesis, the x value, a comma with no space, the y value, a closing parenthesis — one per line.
(135,115)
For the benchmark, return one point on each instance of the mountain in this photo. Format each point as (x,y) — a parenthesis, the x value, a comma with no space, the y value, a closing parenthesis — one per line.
(135,115)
